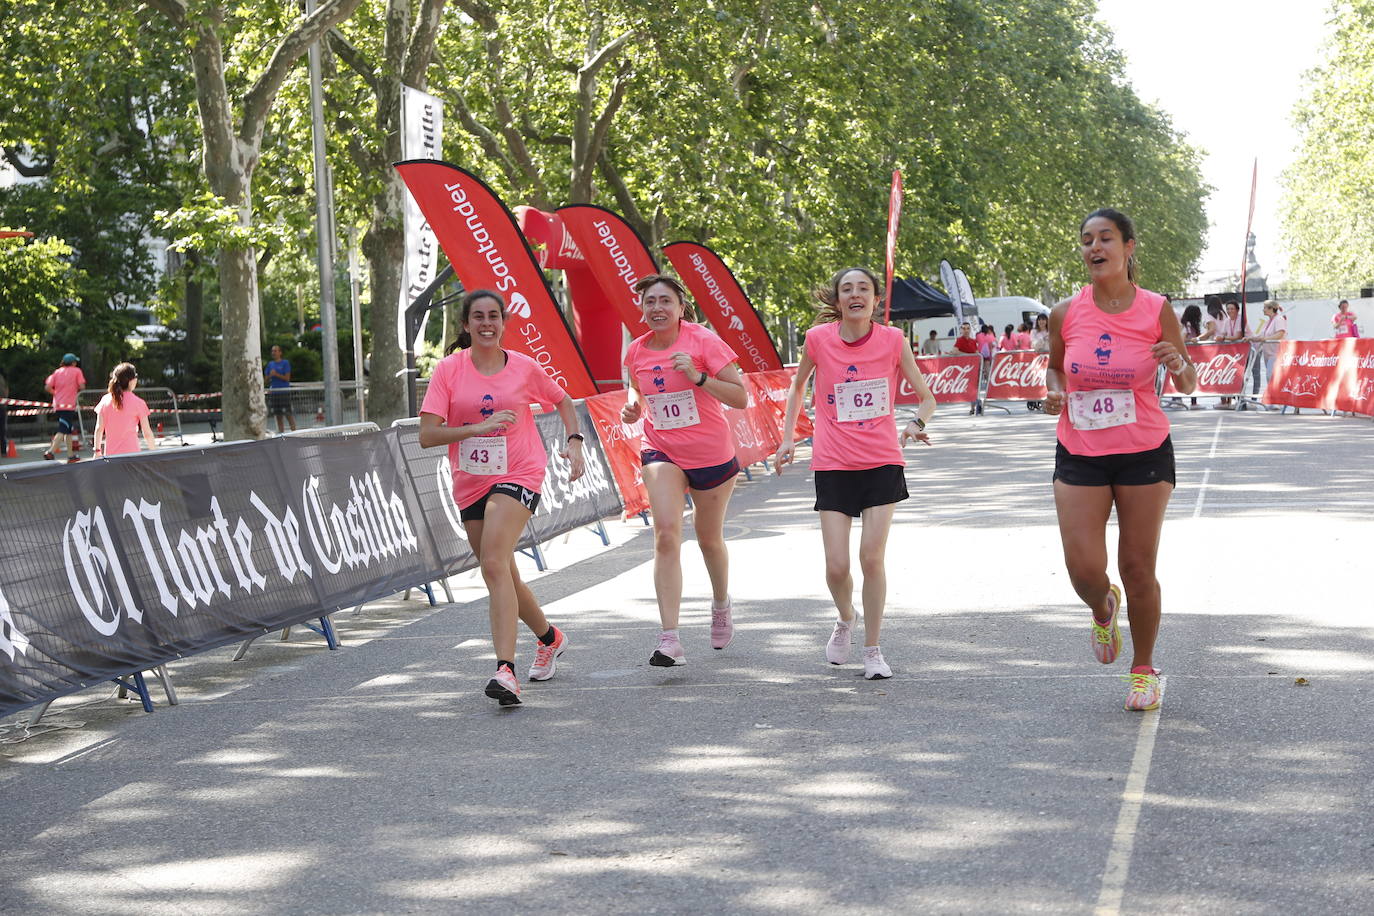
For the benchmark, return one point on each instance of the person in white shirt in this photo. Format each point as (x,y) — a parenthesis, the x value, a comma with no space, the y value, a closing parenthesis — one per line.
(1265,341)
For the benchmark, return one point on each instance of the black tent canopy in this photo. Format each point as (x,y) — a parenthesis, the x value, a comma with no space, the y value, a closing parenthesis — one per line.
(913,297)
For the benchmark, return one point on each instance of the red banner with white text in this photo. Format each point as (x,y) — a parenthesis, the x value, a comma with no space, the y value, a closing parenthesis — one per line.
(1357,388)
(622,444)
(1220,370)
(487,251)
(724,304)
(1018,375)
(1307,373)
(773,387)
(616,256)
(952,379)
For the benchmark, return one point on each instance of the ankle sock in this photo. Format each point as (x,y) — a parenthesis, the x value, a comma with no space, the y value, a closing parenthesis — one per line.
(548,638)
(505,664)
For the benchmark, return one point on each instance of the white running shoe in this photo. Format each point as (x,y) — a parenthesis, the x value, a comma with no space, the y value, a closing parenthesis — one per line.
(841,639)
(874,667)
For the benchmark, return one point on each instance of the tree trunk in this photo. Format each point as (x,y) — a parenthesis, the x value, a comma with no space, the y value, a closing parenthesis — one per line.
(384,248)
(195,309)
(245,412)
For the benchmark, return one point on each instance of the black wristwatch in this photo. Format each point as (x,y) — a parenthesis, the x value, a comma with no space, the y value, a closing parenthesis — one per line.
(920,424)
(702,380)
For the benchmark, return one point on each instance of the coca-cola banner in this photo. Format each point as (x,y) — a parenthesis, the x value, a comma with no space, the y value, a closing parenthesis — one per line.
(1220,369)
(1357,388)
(616,255)
(725,305)
(1307,373)
(113,567)
(487,251)
(1018,375)
(952,379)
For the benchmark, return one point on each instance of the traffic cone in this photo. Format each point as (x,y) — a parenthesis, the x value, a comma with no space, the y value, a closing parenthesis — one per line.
(76,443)
(159,429)
(11,452)
(319,416)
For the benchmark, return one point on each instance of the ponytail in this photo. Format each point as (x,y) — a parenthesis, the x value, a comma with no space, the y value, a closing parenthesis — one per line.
(120,378)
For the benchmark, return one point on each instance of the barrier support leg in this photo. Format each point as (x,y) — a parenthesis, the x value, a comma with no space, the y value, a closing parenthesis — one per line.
(428,589)
(599,530)
(747,476)
(325,629)
(138,686)
(37,712)
(644,517)
(448,592)
(243,649)
(165,680)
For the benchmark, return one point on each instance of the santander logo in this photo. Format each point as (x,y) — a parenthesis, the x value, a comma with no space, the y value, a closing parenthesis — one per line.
(736,324)
(519,305)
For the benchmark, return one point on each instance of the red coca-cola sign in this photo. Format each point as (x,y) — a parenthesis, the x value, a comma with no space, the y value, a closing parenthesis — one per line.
(952,379)
(1220,369)
(1018,375)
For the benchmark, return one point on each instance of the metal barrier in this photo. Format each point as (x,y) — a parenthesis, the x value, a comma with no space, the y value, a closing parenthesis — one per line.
(162,402)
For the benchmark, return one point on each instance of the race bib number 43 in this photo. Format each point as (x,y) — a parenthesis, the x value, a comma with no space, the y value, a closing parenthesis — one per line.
(1101,409)
(484,455)
(865,399)
(674,410)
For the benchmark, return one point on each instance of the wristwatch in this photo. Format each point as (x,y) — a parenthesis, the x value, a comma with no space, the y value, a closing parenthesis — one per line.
(702,380)
(920,424)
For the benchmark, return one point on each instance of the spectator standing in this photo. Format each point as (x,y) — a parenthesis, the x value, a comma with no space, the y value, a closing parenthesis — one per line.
(965,342)
(121,415)
(64,384)
(1230,330)
(1040,343)
(1343,322)
(1023,339)
(1212,325)
(931,345)
(1265,342)
(278,374)
(1192,331)
(1008,341)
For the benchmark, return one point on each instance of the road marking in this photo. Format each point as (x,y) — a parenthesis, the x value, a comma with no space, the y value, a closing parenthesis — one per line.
(1206,474)
(1132,799)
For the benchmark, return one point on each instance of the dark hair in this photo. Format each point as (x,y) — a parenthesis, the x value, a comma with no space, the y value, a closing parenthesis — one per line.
(1345,302)
(1192,319)
(464,339)
(829,295)
(688,308)
(1009,329)
(120,377)
(1042,317)
(1123,225)
(1214,309)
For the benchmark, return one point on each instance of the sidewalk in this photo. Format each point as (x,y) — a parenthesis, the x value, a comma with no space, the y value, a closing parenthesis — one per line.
(996,772)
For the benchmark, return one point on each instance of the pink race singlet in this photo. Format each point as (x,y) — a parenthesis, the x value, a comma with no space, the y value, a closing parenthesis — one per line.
(856,387)
(121,423)
(680,419)
(1109,375)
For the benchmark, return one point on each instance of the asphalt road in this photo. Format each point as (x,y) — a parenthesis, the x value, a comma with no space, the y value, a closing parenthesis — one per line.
(996,772)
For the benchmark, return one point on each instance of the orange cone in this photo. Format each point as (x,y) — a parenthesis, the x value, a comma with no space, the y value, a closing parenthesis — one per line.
(159,429)
(319,416)
(11,452)
(76,443)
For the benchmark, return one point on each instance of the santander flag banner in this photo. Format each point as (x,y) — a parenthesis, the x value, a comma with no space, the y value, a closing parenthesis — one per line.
(616,256)
(422,130)
(1018,375)
(725,305)
(1220,369)
(952,379)
(622,444)
(1357,391)
(1307,373)
(487,251)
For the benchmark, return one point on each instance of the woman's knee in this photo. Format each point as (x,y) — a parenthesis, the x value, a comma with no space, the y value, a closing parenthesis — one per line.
(667,538)
(872,564)
(1137,573)
(496,565)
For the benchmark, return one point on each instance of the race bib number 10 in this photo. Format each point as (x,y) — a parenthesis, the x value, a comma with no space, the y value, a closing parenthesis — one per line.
(484,455)
(865,399)
(674,410)
(1101,409)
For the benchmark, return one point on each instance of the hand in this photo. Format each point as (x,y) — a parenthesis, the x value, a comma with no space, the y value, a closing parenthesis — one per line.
(1167,355)
(914,433)
(496,421)
(782,457)
(683,363)
(575,458)
(631,412)
(1054,402)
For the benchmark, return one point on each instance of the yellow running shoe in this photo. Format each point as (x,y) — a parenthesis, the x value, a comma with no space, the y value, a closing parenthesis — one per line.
(1107,637)
(1145,692)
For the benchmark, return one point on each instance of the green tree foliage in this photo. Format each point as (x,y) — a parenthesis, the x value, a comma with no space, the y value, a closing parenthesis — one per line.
(35,277)
(1328,204)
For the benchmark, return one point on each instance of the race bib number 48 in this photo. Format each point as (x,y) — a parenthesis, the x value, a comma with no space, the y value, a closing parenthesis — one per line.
(485,455)
(1101,409)
(674,410)
(865,399)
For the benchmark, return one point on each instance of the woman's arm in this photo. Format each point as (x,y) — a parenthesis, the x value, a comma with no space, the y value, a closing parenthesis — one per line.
(433,431)
(572,449)
(726,387)
(1054,371)
(147,429)
(634,403)
(795,394)
(98,446)
(912,373)
(1172,353)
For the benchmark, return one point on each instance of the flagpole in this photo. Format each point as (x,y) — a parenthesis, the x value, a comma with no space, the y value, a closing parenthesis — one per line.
(1245,252)
(894,216)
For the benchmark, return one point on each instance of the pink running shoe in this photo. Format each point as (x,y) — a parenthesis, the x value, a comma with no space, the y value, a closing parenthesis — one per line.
(544,656)
(841,640)
(1145,692)
(669,651)
(722,624)
(504,688)
(875,669)
(1107,637)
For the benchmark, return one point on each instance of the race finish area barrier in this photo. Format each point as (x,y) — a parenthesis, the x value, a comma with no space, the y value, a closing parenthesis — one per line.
(952,379)
(162,402)
(1331,375)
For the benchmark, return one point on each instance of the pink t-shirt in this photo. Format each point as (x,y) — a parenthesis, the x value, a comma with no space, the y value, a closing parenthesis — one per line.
(854,445)
(987,344)
(121,423)
(703,444)
(1104,351)
(1023,340)
(461,396)
(65,383)
(1344,322)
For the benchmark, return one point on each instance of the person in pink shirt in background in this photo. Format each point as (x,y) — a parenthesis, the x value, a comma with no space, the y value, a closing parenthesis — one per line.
(478,404)
(1114,450)
(683,373)
(64,385)
(121,414)
(856,454)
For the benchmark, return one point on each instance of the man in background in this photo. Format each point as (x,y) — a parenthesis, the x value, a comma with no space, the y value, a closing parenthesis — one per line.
(278,373)
(931,345)
(64,384)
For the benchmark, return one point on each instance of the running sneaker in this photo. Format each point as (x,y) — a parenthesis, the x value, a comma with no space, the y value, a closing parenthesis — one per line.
(669,652)
(73,459)
(503,687)
(1107,637)
(49,456)
(841,639)
(1145,692)
(722,624)
(544,656)
(875,669)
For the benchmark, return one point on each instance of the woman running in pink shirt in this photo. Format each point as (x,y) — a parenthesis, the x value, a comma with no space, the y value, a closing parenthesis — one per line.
(1106,344)
(856,453)
(478,405)
(684,373)
(121,414)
